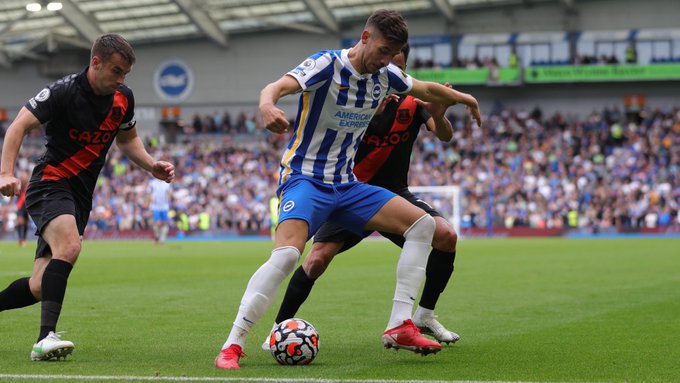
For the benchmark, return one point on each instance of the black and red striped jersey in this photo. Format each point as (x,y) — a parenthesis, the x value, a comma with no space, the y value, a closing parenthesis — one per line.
(80,127)
(384,155)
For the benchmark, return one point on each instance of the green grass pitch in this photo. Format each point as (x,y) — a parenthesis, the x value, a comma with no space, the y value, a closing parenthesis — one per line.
(535,310)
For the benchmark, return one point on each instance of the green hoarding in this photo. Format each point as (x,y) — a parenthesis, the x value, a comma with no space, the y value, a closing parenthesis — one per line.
(603,73)
(453,76)
(460,76)
(550,74)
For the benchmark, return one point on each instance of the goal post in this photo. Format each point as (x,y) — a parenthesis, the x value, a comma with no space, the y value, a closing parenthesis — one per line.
(444,199)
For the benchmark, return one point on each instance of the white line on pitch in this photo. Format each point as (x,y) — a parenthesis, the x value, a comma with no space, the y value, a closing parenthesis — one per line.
(221,379)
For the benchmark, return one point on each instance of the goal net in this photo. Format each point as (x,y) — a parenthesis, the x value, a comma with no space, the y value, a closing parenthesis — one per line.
(444,199)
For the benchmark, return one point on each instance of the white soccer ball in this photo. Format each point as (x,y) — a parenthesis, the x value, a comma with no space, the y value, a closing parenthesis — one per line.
(294,342)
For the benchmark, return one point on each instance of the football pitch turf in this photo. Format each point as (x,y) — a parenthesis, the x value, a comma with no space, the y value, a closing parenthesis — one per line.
(539,310)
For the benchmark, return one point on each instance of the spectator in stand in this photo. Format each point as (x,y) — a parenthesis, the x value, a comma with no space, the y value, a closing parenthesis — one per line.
(536,164)
(631,53)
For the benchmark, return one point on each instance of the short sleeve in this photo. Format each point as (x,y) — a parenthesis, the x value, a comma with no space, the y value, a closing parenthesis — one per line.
(129,121)
(399,81)
(48,102)
(313,72)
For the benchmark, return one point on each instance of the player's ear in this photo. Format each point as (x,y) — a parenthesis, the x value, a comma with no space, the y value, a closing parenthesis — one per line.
(95,62)
(364,36)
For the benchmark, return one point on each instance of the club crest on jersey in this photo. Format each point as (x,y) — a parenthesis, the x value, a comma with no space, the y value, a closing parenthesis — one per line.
(403,116)
(377,91)
(42,95)
(116,114)
(288,206)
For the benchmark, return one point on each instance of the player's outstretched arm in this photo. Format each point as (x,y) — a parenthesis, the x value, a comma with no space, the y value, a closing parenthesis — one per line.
(437,93)
(22,124)
(273,118)
(438,123)
(131,145)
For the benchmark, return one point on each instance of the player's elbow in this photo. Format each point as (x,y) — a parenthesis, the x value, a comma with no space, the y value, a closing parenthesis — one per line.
(446,136)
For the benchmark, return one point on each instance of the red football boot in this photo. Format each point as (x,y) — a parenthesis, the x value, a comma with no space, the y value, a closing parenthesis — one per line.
(228,358)
(407,336)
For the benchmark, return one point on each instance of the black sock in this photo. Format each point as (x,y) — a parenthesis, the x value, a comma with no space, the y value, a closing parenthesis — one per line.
(437,275)
(53,290)
(298,290)
(16,295)
(21,231)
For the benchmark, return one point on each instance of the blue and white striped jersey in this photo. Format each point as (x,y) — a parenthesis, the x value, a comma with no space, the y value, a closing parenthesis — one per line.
(334,110)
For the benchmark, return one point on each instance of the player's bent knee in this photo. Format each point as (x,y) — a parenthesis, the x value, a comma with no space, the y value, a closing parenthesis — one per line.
(445,240)
(68,252)
(316,263)
(422,230)
(35,285)
(285,258)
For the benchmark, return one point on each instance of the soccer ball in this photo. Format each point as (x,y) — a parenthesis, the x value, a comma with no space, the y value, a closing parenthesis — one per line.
(294,342)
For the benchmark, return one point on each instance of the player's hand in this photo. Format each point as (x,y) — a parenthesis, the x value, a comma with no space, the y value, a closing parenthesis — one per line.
(164,171)
(274,119)
(473,106)
(435,110)
(384,102)
(10,186)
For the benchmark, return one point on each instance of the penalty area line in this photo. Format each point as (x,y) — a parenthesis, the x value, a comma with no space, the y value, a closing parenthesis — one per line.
(222,379)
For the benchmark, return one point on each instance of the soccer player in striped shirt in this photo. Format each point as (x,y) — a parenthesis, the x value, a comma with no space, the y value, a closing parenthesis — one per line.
(383,159)
(341,91)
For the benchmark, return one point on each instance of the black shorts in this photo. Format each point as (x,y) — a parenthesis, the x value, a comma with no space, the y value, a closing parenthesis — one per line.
(332,232)
(47,200)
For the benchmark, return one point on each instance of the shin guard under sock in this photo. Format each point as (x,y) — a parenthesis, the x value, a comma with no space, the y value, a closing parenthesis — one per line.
(16,295)
(54,282)
(437,274)
(299,287)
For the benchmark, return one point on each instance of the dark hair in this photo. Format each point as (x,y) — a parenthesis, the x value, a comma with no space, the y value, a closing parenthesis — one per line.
(108,44)
(405,50)
(390,24)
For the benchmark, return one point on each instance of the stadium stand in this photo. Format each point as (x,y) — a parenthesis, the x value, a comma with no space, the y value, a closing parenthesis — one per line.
(603,173)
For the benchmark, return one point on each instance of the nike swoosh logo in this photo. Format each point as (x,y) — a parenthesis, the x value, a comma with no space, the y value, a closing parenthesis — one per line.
(249,321)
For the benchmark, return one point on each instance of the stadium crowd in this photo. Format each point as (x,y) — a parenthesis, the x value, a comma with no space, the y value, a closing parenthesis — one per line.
(609,171)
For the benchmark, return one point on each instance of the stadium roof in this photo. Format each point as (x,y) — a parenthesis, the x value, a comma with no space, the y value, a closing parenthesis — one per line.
(26,34)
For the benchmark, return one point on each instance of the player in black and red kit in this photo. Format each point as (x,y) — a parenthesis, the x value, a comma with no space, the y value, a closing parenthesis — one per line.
(383,159)
(22,212)
(83,113)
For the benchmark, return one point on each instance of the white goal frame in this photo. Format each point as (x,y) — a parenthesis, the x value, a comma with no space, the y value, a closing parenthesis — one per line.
(452,191)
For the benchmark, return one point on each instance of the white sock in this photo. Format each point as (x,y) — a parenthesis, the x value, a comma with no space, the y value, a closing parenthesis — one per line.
(422,313)
(411,269)
(163,233)
(261,291)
